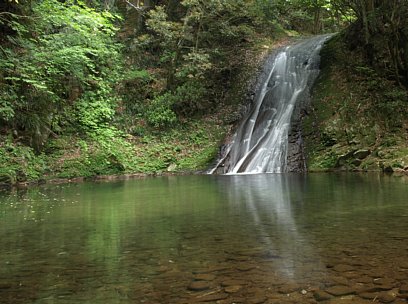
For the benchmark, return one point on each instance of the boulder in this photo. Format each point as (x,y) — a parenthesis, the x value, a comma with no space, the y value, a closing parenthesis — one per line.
(361,154)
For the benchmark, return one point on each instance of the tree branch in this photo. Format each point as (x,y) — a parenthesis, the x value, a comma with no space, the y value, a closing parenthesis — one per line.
(137,7)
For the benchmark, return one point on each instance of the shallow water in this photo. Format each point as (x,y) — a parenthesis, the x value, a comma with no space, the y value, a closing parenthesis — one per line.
(216,239)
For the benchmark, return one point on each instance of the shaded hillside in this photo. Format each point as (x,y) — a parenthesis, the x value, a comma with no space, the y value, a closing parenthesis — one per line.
(359,118)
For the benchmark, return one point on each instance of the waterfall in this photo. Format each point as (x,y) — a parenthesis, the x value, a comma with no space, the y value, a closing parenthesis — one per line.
(260,143)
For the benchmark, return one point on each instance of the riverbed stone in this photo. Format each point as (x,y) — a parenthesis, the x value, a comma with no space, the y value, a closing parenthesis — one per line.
(377,288)
(204,277)
(404,289)
(233,288)
(368,295)
(340,290)
(364,280)
(387,297)
(212,297)
(232,282)
(258,299)
(343,268)
(286,289)
(212,269)
(340,281)
(321,295)
(198,286)
(5,285)
(384,282)
(245,267)
(348,301)
(403,265)
(351,275)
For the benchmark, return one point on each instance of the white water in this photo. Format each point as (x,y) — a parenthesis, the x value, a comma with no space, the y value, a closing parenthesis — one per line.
(261,141)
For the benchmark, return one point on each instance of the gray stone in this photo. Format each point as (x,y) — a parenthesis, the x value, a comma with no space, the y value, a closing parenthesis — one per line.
(361,154)
(171,168)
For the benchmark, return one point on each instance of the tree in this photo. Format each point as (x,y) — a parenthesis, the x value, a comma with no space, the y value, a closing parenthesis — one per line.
(381,31)
(58,69)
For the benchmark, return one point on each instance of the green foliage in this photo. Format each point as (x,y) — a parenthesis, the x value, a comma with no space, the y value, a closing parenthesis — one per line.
(310,16)
(162,151)
(94,110)
(100,156)
(19,162)
(159,113)
(61,54)
(135,90)
(389,101)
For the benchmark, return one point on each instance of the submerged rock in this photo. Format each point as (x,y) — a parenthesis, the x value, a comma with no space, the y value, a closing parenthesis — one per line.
(321,295)
(404,289)
(233,289)
(343,268)
(340,290)
(387,297)
(198,286)
(204,277)
(212,297)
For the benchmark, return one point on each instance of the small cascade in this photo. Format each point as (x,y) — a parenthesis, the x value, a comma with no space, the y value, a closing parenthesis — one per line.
(260,143)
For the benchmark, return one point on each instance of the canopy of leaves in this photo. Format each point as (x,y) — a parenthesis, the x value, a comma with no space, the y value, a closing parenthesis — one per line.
(60,62)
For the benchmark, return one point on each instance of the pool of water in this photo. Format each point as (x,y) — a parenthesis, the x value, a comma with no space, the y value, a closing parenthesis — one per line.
(268,238)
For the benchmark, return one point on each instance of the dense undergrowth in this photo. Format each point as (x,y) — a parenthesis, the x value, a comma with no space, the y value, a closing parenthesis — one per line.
(189,147)
(358,119)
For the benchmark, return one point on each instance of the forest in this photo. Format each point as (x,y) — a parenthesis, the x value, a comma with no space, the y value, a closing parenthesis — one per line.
(91,88)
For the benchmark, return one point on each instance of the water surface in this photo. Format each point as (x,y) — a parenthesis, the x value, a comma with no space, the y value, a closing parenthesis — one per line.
(268,238)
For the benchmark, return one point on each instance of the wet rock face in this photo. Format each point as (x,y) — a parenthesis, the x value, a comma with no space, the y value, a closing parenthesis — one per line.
(295,159)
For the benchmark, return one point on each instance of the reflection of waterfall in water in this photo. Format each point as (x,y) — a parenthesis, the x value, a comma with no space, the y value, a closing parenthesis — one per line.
(261,141)
(268,199)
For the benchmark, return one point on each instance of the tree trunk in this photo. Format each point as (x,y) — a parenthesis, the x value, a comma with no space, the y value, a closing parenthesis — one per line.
(317,20)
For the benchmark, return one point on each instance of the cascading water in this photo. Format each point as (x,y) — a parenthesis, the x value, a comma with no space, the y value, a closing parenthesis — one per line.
(261,141)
